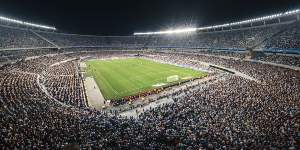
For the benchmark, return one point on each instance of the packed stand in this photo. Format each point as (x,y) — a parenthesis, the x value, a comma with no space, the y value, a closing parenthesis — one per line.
(288,40)
(229,113)
(282,59)
(75,40)
(20,38)
(65,84)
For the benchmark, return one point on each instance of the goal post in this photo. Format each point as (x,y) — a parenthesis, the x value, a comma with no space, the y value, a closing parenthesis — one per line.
(172,78)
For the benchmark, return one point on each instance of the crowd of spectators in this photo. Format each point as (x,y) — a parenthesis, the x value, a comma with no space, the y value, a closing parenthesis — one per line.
(20,38)
(293,60)
(229,113)
(239,39)
(282,37)
(75,40)
(234,39)
(64,82)
(289,39)
(43,103)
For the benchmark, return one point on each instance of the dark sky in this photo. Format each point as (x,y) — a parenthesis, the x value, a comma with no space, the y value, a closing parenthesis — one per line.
(123,17)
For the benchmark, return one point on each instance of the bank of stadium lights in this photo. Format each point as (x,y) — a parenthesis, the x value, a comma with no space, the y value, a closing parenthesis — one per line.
(180,30)
(26,23)
(265,18)
(183,30)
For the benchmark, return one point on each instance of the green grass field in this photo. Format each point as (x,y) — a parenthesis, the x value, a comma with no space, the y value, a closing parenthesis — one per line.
(124,77)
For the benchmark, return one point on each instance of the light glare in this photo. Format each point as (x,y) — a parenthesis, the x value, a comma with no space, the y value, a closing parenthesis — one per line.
(169,31)
(26,23)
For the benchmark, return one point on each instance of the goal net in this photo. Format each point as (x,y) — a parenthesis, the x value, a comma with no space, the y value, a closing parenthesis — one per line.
(172,78)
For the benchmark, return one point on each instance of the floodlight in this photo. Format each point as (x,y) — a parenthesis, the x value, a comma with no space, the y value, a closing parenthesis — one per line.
(174,31)
(26,23)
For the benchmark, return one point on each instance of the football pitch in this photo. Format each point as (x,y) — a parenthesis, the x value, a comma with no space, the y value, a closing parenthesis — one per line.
(118,78)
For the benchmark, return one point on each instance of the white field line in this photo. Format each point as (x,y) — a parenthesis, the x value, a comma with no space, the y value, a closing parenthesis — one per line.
(107,83)
(140,88)
(140,78)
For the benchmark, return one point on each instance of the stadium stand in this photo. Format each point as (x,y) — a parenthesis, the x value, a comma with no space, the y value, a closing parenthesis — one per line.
(19,38)
(240,39)
(288,40)
(232,105)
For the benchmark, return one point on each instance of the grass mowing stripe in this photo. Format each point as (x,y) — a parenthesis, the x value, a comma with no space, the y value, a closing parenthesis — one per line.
(124,77)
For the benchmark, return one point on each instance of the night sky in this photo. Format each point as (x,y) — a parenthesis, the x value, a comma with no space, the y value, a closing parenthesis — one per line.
(123,17)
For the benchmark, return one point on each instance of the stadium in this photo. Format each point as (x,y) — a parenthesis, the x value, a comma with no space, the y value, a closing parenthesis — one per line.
(234,85)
